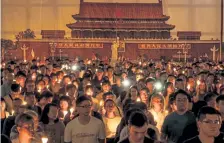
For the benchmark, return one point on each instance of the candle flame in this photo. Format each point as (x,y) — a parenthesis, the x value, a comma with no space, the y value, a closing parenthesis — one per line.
(72,110)
(65,113)
(24,103)
(101,103)
(198,82)
(44,139)
(138,99)
(188,86)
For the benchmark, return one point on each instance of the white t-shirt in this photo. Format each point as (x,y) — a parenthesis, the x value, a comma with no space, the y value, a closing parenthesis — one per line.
(75,132)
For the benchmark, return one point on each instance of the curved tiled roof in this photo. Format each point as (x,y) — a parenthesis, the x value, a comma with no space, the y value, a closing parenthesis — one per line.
(121,10)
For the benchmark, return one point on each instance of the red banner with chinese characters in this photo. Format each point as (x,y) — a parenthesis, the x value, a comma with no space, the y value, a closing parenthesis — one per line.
(164,46)
(80,45)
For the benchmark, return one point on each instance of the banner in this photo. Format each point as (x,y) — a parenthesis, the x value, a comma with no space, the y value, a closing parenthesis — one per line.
(79,45)
(164,46)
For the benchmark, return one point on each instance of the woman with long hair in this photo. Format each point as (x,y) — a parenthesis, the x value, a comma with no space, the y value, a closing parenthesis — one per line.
(53,127)
(157,108)
(168,90)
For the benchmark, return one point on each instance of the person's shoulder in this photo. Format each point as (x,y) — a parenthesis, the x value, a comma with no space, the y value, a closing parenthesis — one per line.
(72,122)
(95,120)
(193,140)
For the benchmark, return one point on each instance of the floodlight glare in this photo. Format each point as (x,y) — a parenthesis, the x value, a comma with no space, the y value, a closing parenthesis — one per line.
(126,83)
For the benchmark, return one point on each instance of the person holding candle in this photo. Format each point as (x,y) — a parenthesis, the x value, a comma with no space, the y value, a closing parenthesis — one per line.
(106,87)
(25,128)
(15,93)
(7,82)
(38,130)
(53,127)
(31,101)
(89,91)
(158,110)
(40,86)
(4,113)
(110,119)
(64,106)
(10,121)
(85,128)
(45,98)
(168,90)
(54,86)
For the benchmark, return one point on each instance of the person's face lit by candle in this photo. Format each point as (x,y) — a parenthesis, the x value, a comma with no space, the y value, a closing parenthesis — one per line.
(64,105)
(158,104)
(66,81)
(109,106)
(21,80)
(41,85)
(46,80)
(144,96)
(30,86)
(170,89)
(89,92)
(53,113)
(30,100)
(106,87)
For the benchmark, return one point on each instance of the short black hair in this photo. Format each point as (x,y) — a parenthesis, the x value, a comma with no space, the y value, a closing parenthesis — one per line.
(220,98)
(81,99)
(137,119)
(150,80)
(45,94)
(15,87)
(207,110)
(180,91)
(107,94)
(209,96)
(44,117)
(67,99)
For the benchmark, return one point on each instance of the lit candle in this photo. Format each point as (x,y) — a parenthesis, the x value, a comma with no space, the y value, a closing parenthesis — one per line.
(47,86)
(138,99)
(188,86)
(59,81)
(174,69)
(166,111)
(183,72)
(13,112)
(33,77)
(72,110)
(44,139)
(67,94)
(24,102)
(198,82)
(39,90)
(69,82)
(101,103)
(140,63)
(65,113)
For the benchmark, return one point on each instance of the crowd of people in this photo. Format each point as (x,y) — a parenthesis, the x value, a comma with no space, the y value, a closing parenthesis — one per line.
(91,101)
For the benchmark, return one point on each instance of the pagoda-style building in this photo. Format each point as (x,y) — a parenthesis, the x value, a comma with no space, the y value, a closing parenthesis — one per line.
(138,28)
(123,20)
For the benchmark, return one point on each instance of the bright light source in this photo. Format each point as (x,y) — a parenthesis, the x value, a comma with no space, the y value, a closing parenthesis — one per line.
(24,103)
(74,67)
(188,86)
(72,110)
(65,113)
(44,139)
(126,83)
(158,85)
(138,99)
(101,103)
(198,82)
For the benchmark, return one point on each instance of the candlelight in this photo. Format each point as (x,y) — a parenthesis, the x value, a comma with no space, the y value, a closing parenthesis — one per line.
(47,86)
(198,82)
(174,69)
(69,82)
(24,102)
(138,99)
(39,90)
(13,112)
(65,113)
(44,139)
(183,72)
(96,70)
(188,86)
(59,81)
(140,63)
(72,110)
(101,103)
(20,89)
(67,94)
(33,77)
(166,111)
(24,61)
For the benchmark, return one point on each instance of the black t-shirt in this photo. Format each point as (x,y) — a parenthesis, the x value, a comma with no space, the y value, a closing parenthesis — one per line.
(146,140)
(197,106)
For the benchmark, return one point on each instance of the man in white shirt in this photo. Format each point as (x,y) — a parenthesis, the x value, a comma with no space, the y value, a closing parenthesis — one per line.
(84,128)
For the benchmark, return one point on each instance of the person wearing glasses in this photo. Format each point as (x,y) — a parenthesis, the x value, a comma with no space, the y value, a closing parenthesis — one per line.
(25,128)
(85,128)
(209,124)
